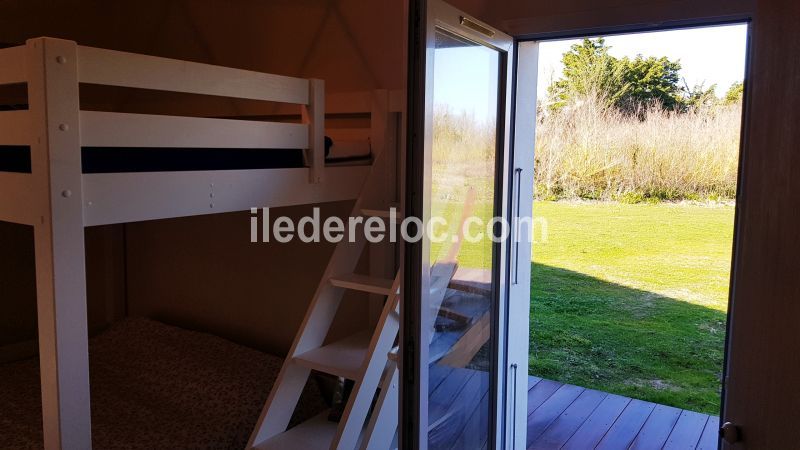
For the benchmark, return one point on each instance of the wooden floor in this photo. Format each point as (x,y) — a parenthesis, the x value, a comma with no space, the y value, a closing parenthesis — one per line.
(563,416)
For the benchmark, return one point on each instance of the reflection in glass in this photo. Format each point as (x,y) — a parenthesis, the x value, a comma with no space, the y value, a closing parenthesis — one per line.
(465,97)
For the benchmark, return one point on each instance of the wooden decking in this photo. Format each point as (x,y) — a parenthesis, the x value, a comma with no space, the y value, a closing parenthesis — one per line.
(562,416)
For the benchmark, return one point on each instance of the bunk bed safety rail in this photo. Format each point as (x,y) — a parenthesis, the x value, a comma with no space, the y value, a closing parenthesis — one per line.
(121,69)
(15,130)
(107,129)
(115,68)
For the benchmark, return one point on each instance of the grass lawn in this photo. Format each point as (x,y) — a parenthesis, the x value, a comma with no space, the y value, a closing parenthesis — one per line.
(632,299)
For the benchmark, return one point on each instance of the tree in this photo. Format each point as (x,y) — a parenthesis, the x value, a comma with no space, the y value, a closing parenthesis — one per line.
(588,71)
(649,81)
(734,93)
(699,97)
(627,84)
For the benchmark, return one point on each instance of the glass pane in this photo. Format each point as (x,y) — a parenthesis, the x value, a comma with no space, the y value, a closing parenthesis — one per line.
(464,154)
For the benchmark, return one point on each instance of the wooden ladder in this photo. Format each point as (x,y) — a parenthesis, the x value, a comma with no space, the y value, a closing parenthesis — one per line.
(361,357)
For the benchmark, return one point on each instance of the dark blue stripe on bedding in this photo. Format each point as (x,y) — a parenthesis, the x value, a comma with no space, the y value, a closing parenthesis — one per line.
(15,158)
(134,159)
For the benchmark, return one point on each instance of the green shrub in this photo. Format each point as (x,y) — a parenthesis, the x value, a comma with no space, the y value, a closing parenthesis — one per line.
(631,197)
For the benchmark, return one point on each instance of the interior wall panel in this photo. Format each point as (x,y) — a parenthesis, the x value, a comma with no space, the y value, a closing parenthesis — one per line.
(17,284)
(105,285)
(763,366)
(203,273)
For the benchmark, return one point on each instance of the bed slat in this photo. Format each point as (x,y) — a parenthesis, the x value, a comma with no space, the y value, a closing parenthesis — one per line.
(12,65)
(114,68)
(131,197)
(105,129)
(15,127)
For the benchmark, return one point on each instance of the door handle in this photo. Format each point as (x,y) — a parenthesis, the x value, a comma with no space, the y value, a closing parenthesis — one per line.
(514,406)
(730,433)
(517,189)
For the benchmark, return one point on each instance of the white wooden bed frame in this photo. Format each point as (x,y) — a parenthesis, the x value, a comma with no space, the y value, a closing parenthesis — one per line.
(58,200)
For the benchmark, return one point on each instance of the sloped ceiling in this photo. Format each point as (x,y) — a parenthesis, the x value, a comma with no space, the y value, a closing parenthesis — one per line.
(352,44)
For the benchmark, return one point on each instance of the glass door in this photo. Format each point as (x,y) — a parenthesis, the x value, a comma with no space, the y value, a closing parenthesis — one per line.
(455,387)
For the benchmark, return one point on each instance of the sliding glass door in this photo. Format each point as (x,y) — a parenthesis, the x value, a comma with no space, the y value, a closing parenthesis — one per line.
(456,386)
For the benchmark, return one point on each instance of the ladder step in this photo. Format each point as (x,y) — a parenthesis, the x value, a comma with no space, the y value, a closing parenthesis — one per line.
(343,358)
(364,283)
(315,433)
(383,213)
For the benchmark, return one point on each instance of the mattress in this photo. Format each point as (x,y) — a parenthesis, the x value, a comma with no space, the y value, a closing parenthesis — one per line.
(348,145)
(342,150)
(17,158)
(155,386)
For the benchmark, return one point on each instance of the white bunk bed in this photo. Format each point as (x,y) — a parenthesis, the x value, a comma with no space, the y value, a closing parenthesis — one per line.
(59,199)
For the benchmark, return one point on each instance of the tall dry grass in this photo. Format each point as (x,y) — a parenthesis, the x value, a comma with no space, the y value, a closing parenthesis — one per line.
(463,155)
(591,151)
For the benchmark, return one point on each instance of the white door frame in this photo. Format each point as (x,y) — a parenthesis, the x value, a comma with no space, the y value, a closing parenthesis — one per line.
(426,16)
(519,298)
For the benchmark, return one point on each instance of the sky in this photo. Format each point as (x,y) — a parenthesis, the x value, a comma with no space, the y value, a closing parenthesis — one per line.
(707,55)
(465,78)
